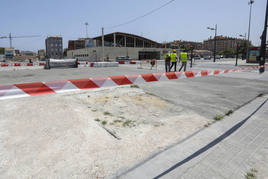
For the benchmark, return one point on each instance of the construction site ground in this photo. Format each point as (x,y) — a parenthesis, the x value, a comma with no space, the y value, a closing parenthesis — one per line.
(104,132)
(24,74)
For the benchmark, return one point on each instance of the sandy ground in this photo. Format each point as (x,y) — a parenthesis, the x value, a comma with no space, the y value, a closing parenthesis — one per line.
(87,134)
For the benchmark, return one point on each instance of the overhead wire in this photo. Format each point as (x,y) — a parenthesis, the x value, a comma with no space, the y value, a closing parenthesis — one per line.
(142,16)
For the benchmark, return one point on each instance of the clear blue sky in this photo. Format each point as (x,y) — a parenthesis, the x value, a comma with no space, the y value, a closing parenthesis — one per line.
(180,20)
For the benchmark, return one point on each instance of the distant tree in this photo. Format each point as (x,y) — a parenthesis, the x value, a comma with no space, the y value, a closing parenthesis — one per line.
(230,53)
(2,51)
(220,52)
(243,50)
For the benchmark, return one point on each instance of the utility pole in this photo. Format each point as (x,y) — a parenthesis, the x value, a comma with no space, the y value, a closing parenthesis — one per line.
(249,25)
(102,39)
(263,44)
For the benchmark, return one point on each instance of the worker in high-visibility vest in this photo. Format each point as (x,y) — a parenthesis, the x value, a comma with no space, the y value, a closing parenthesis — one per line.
(167,61)
(173,58)
(183,59)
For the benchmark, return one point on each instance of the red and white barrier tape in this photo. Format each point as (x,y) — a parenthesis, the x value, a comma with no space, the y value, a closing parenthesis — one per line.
(21,64)
(127,62)
(88,64)
(39,88)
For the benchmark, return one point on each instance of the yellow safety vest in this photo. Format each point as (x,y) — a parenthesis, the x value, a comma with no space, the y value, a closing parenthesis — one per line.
(166,55)
(184,57)
(173,57)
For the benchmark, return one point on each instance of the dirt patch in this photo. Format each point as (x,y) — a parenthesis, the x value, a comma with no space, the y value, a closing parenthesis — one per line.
(65,136)
(127,108)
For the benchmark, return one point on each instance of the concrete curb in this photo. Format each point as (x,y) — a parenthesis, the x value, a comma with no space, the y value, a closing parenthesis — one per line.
(39,88)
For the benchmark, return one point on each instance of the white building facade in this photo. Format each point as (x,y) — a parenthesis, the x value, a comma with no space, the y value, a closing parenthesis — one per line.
(119,44)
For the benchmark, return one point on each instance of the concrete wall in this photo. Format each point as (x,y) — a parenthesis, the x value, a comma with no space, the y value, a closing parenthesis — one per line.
(95,53)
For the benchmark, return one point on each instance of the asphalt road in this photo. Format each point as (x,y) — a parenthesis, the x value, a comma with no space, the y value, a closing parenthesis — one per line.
(37,74)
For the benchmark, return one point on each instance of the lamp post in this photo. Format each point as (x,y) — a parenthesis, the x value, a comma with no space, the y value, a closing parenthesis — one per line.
(215,40)
(245,45)
(237,53)
(86,24)
(249,25)
(262,56)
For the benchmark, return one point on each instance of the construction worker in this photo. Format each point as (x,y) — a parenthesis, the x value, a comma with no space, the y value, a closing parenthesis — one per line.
(167,61)
(174,58)
(183,59)
(153,61)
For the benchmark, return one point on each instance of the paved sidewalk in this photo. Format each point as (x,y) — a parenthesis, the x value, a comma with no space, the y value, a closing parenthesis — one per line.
(227,149)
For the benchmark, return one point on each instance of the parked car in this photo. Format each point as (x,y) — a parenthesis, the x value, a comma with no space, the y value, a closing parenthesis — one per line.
(218,57)
(221,56)
(197,57)
(207,57)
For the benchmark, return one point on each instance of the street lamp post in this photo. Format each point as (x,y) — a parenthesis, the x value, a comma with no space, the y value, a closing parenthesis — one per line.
(86,24)
(237,53)
(245,45)
(262,56)
(249,25)
(215,40)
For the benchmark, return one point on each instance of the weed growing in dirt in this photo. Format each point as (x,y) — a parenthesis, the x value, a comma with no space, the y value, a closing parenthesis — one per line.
(98,120)
(207,125)
(251,174)
(129,123)
(218,117)
(107,113)
(117,121)
(229,113)
(104,123)
(134,86)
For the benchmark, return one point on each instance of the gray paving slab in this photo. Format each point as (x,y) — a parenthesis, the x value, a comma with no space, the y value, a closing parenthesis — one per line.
(208,96)
(232,157)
